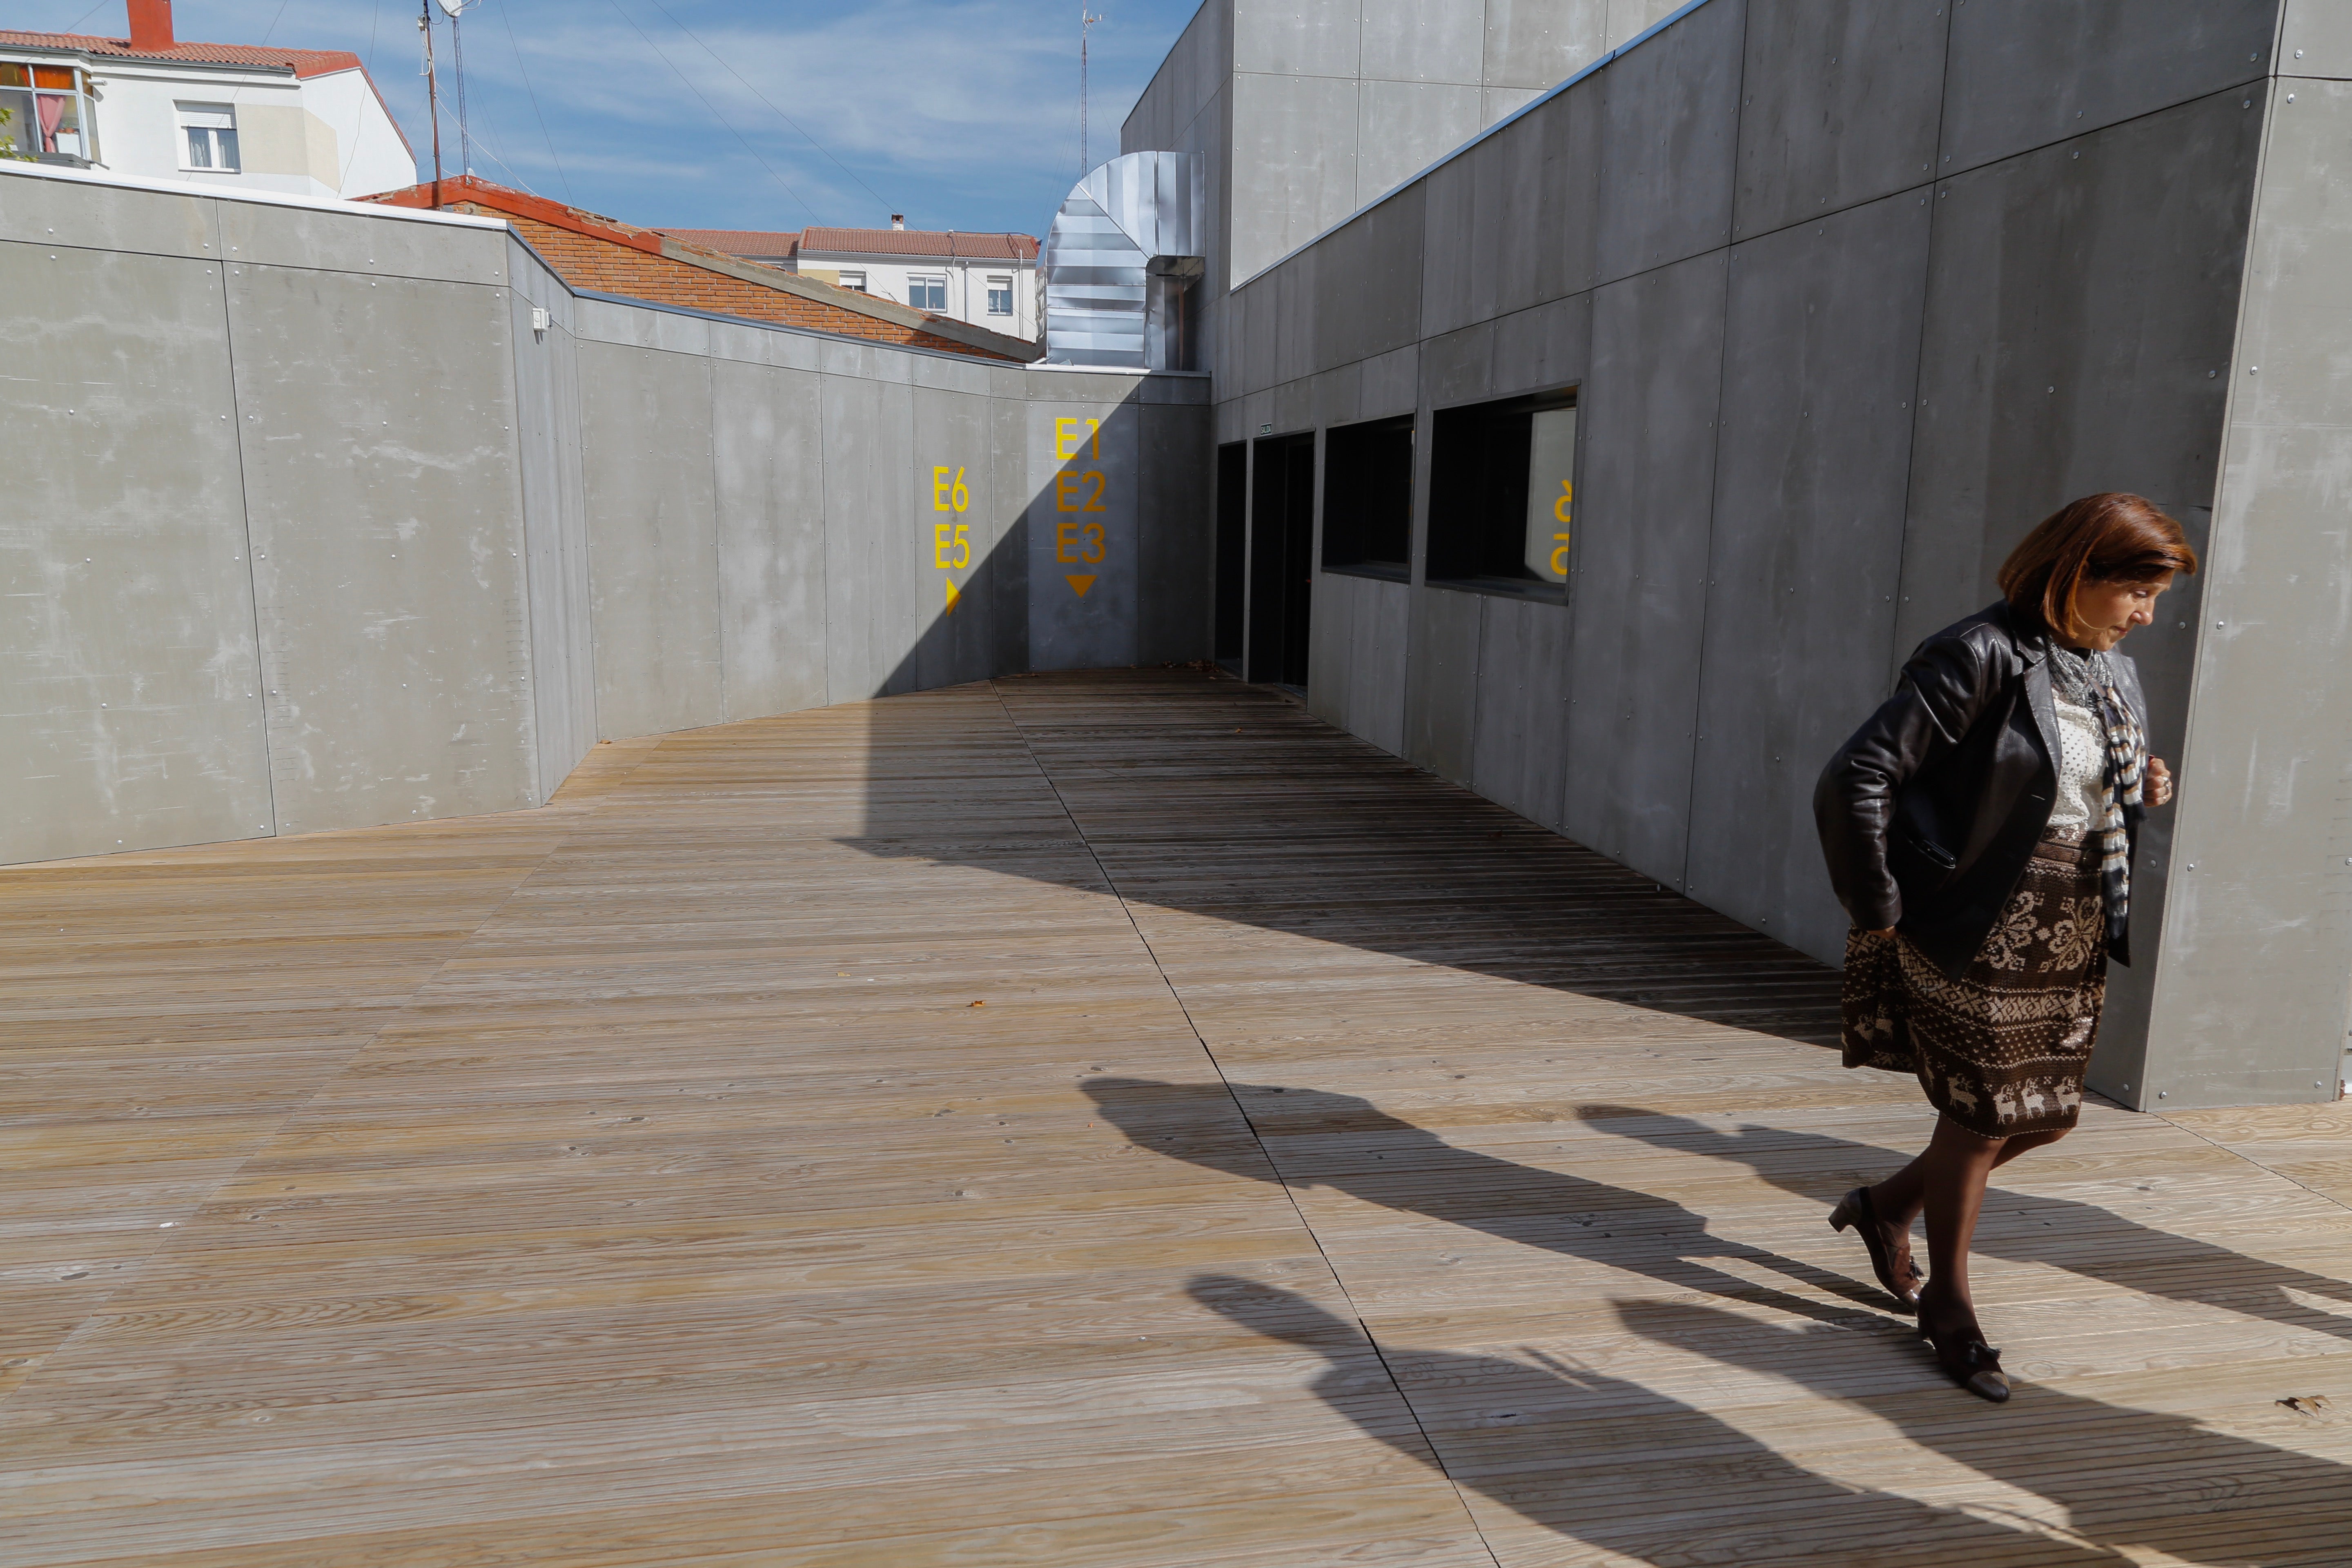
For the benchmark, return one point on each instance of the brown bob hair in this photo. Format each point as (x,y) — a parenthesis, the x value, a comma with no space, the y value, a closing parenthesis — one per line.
(2110,537)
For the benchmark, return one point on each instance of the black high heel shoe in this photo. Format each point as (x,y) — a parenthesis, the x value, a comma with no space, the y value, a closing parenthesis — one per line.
(1855,1209)
(1966,1359)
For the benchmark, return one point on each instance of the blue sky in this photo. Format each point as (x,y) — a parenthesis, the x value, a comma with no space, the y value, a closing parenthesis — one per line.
(960,113)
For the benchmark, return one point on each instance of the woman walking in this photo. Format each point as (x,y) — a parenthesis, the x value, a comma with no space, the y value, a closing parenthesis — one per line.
(1979,829)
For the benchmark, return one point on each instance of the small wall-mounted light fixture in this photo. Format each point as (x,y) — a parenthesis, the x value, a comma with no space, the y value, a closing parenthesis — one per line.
(540,321)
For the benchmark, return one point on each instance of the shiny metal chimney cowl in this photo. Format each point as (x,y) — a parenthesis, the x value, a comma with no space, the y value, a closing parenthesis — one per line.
(1123,262)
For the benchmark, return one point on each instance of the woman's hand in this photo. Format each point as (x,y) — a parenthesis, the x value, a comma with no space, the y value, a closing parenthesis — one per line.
(2159,782)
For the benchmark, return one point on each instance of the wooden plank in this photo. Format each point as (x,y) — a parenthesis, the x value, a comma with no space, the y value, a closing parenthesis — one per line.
(635,1182)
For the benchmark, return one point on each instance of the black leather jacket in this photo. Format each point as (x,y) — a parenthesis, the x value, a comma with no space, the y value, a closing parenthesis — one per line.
(1928,815)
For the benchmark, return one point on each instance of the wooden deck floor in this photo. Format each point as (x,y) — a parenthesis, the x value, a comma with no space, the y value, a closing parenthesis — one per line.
(1340,1171)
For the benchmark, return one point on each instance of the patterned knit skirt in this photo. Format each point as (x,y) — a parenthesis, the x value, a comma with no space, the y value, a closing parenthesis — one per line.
(2002,1049)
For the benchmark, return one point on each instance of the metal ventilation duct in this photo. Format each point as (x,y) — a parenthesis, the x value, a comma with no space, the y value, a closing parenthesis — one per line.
(1121,262)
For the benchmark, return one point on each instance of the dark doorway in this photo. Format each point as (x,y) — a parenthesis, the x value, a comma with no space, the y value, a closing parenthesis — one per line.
(1282,558)
(1233,549)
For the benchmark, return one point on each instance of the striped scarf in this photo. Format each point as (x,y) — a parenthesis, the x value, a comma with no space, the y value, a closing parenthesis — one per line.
(2090,682)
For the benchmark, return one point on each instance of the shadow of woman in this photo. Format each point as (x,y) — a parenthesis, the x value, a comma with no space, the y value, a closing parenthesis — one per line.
(2058,1233)
(1401,1166)
(1617,1466)
(2136,1481)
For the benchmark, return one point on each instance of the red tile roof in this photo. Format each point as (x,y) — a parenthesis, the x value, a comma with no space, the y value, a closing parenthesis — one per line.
(919,242)
(738,241)
(302,62)
(605,256)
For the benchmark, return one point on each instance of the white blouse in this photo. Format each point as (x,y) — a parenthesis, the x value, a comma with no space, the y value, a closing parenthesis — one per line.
(2082,800)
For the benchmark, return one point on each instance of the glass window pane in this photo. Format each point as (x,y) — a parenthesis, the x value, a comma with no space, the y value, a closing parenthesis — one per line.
(14,76)
(53,76)
(225,142)
(1551,492)
(200,148)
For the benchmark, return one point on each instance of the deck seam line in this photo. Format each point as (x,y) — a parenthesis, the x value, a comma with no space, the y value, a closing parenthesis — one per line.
(1281,1180)
(2257,1165)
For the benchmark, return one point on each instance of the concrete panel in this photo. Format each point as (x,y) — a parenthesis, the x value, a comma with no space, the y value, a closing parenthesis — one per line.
(1458,367)
(1413,40)
(653,540)
(1294,163)
(874,605)
(1441,681)
(1380,634)
(1083,536)
(131,707)
(2079,319)
(1629,19)
(1638,594)
(952,435)
(1499,103)
(40,210)
(1448,279)
(1007,579)
(385,504)
(1296,38)
(1330,665)
(2024,74)
(1840,100)
(1508,268)
(1176,559)
(2257,937)
(1520,755)
(1392,384)
(768,494)
(1295,309)
(1547,347)
(375,242)
(1669,148)
(1534,44)
(555,521)
(1339,395)
(2315,39)
(1294,406)
(1573,127)
(1820,360)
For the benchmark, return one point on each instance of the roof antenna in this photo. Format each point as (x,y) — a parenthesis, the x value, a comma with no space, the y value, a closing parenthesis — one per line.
(457,9)
(431,93)
(1087,20)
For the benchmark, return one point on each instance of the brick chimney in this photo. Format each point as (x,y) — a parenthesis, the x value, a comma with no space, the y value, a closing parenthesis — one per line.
(150,24)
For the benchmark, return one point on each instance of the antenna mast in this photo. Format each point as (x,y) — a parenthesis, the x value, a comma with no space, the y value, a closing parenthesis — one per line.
(432,94)
(1087,20)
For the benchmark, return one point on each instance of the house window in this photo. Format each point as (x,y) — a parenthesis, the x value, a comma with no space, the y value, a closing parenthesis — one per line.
(1368,497)
(208,135)
(1502,495)
(999,296)
(854,281)
(927,293)
(48,112)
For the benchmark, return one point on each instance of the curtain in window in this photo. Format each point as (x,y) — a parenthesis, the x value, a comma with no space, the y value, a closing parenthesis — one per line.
(52,110)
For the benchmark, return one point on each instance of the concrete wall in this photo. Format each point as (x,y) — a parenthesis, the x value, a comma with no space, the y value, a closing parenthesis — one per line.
(1853,294)
(1327,105)
(313,527)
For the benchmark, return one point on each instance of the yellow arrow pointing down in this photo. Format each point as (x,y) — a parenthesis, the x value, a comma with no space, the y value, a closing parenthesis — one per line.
(1078,583)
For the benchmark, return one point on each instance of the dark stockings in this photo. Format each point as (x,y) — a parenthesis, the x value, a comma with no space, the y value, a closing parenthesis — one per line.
(1946,1183)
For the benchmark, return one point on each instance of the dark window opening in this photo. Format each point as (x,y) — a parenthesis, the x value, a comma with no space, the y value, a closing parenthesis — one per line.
(1368,499)
(1232,543)
(1282,558)
(1502,494)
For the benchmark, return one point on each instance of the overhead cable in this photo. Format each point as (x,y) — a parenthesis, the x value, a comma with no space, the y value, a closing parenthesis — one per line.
(713,108)
(762,96)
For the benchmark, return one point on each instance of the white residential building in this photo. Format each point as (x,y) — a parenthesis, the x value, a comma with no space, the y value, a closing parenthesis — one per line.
(987,280)
(305,123)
